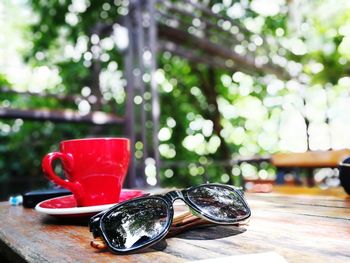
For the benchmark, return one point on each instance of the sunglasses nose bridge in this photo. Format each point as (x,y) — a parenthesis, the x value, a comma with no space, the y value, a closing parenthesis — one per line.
(173,195)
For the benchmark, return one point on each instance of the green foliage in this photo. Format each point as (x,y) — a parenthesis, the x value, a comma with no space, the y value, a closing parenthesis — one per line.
(241,115)
(3,80)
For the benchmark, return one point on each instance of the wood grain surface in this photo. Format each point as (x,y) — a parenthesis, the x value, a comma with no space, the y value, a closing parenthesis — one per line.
(310,159)
(301,228)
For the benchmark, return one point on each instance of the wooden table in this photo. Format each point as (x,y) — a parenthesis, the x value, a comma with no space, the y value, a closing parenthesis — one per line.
(300,228)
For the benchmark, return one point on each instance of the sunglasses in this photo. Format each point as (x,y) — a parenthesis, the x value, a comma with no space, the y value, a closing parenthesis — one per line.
(144,221)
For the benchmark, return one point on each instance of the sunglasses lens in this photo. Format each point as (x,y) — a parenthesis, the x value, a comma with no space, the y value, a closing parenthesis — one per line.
(136,224)
(219,203)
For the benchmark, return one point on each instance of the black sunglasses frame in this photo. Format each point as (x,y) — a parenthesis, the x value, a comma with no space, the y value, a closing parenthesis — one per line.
(96,222)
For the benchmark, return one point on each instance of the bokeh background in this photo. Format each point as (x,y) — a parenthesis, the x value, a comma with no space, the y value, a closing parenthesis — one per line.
(208,117)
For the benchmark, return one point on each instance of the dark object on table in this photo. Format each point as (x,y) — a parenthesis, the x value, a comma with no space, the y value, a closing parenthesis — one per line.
(344,174)
(32,198)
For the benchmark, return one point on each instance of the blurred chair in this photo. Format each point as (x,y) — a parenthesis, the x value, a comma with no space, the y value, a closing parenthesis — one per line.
(309,160)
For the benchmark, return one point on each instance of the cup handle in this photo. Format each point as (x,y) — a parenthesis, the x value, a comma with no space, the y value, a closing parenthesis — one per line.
(67,161)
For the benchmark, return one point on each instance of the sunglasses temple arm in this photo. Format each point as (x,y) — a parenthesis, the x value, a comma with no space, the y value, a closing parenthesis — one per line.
(179,217)
(98,243)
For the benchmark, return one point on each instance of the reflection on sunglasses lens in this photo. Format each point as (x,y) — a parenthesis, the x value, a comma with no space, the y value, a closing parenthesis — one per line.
(136,223)
(218,203)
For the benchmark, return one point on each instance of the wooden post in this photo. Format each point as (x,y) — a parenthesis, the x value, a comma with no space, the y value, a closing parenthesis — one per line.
(130,114)
(139,64)
(152,38)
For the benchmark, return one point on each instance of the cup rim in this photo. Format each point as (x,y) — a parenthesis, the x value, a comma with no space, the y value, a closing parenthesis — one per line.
(97,139)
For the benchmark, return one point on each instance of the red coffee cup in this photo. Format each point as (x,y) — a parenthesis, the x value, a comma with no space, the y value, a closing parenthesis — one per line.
(95,168)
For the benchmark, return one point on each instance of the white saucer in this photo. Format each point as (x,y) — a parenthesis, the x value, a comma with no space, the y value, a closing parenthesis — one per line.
(66,206)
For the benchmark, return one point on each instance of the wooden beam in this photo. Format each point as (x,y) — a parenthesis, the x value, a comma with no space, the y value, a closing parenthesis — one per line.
(213,28)
(95,118)
(184,38)
(185,163)
(210,32)
(60,97)
(195,58)
(218,16)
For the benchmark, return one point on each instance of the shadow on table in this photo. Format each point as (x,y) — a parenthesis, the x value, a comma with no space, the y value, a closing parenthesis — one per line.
(3,259)
(211,232)
(50,220)
(200,233)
